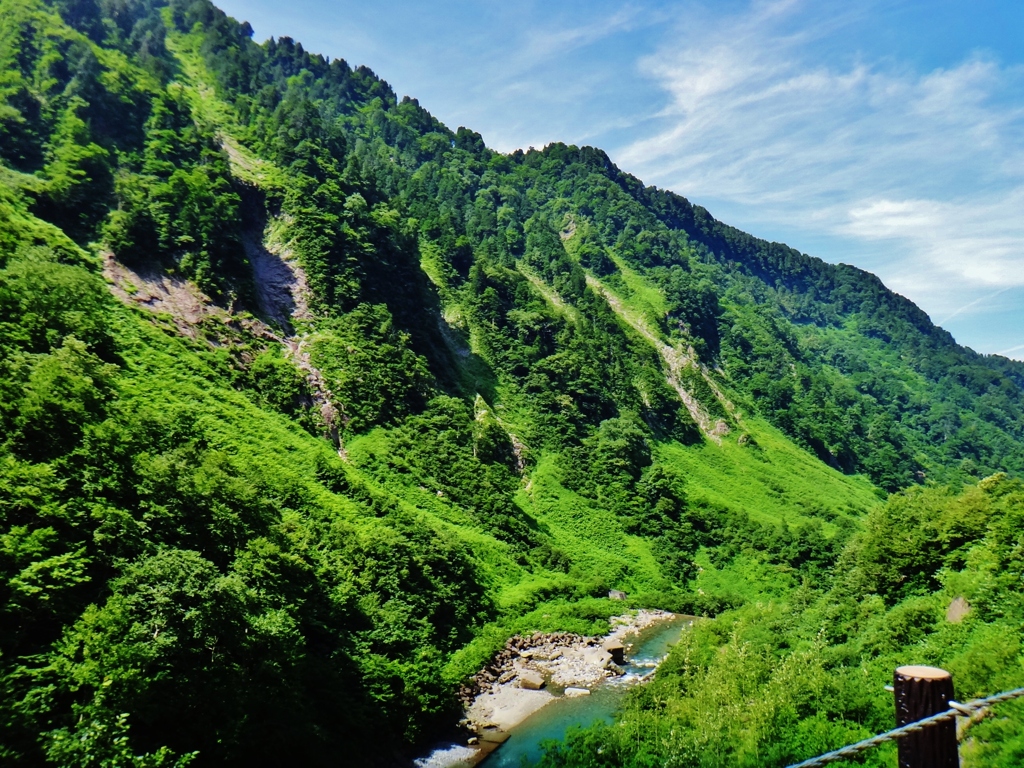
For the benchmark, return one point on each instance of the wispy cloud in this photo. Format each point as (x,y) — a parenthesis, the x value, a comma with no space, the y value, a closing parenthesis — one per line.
(928,165)
(1011,349)
(949,245)
(971,304)
(544,81)
(541,44)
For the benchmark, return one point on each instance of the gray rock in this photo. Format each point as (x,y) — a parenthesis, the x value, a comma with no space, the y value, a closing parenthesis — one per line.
(957,610)
(577,692)
(530,680)
(494,736)
(617,651)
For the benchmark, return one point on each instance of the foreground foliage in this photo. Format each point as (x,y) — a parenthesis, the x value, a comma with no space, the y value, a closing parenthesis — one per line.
(786,678)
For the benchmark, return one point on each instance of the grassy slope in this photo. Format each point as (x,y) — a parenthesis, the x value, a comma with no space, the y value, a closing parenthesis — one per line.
(771,478)
(773,483)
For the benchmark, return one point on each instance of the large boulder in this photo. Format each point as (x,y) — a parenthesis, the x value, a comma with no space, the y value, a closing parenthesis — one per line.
(494,736)
(531,680)
(957,610)
(597,657)
(617,650)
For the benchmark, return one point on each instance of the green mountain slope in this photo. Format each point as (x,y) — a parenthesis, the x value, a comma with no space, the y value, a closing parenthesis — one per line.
(309,402)
(933,578)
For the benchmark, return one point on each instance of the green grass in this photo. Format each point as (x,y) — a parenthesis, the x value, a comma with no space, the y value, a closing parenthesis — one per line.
(641,295)
(773,482)
(19,228)
(743,580)
(163,373)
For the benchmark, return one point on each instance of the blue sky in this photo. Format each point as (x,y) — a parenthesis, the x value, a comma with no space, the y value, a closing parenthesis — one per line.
(889,135)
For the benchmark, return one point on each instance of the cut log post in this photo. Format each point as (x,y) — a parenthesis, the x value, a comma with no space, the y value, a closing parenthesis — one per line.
(921,692)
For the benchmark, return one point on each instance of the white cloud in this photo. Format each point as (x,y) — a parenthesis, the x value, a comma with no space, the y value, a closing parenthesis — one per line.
(928,166)
(542,44)
(974,243)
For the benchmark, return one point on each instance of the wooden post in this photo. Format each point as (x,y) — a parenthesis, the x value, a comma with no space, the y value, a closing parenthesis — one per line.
(920,692)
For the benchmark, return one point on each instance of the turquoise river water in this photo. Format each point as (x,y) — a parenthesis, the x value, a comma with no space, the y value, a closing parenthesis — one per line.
(643,652)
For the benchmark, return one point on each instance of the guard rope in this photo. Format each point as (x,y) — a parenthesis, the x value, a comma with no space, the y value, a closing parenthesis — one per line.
(955,709)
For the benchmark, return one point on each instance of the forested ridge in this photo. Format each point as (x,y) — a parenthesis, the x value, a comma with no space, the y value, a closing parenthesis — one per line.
(309,402)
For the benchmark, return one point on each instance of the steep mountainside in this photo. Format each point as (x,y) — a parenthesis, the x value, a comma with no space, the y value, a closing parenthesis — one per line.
(308,402)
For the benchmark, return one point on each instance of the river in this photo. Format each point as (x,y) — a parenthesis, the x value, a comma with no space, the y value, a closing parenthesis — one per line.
(643,653)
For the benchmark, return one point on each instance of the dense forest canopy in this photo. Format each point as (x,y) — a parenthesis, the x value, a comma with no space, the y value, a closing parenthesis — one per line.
(308,402)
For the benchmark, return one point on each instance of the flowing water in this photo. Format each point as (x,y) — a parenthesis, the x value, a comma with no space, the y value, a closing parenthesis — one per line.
(643,652)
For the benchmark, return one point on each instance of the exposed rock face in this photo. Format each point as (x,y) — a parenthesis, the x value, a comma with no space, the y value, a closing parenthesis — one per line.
(281,285)
(193,313)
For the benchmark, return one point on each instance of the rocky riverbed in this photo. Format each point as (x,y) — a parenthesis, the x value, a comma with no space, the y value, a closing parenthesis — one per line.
(532,670)
(535,670)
